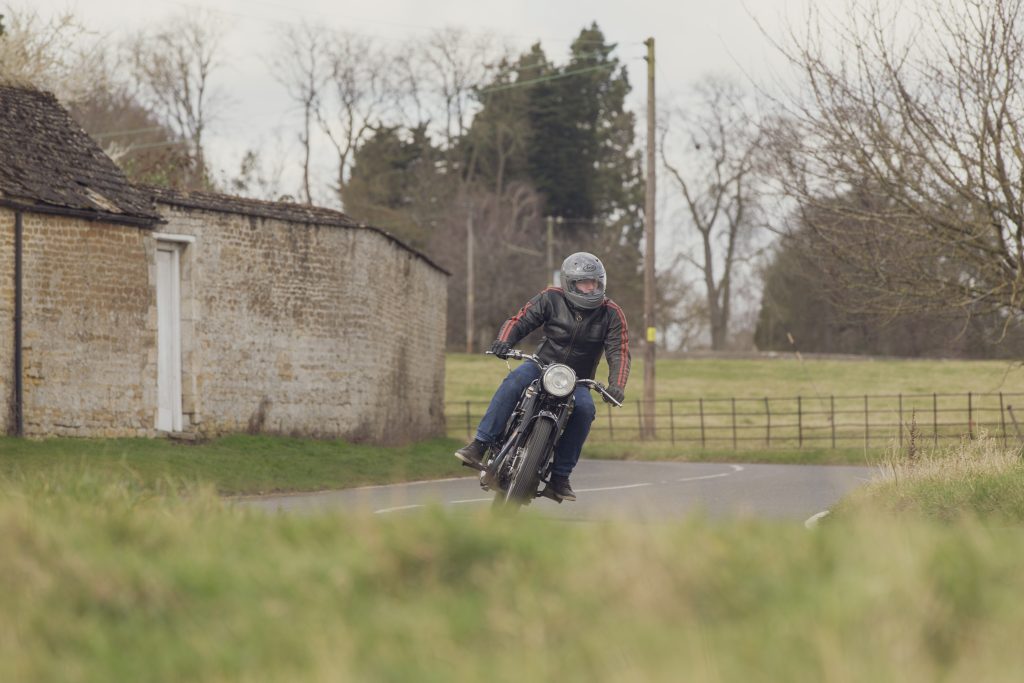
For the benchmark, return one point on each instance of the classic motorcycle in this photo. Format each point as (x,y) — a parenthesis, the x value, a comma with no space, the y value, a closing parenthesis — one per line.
(522,460)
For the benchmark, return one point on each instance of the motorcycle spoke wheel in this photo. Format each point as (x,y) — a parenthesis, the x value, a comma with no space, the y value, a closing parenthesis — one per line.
(523,487)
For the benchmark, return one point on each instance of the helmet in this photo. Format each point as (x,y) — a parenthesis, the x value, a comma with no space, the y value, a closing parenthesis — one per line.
(583,266)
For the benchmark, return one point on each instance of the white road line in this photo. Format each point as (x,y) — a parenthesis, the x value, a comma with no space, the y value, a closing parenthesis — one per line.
(812,521)
(614,488)
(395,509)
(735,468)
(706,476)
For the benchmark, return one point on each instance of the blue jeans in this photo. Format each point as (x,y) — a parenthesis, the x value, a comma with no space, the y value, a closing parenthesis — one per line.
(568,449)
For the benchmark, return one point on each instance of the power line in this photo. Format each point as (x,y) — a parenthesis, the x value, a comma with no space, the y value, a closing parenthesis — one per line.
(114,133)
(543,79)
(149,145)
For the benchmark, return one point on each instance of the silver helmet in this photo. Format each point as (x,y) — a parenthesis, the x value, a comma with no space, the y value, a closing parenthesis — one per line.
(583,266)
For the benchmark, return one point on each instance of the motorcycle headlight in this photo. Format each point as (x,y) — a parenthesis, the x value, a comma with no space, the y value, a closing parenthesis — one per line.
(559,380)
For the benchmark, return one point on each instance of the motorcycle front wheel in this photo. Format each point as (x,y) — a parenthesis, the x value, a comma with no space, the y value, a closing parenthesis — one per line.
(523,486)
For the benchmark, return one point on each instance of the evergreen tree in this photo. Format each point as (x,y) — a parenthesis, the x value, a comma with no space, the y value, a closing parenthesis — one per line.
(394,184)
(578,150)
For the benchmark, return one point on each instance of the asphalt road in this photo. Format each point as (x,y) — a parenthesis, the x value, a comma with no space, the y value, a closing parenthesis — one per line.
(640,491)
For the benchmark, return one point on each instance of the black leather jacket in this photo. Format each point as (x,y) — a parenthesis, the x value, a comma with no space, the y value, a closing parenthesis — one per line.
(574,336)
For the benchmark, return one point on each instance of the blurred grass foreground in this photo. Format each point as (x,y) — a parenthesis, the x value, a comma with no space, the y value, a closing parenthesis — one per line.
(917,578)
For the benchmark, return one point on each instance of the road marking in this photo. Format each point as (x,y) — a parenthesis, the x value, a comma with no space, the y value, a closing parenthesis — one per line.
(395,509)
(614,488)
(812,521)
(735,468)
(706,476)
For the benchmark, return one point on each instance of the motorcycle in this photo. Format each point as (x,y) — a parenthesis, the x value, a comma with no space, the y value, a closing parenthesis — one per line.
(521,462)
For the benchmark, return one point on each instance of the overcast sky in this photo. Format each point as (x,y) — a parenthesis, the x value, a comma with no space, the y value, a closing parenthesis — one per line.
(693,38)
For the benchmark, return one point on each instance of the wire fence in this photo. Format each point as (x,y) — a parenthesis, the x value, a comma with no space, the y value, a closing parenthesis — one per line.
(787,422)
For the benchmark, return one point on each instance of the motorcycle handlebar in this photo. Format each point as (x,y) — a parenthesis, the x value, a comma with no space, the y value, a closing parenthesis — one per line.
(516,354)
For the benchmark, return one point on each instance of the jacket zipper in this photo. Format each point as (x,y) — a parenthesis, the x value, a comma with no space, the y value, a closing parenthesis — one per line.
(575,329)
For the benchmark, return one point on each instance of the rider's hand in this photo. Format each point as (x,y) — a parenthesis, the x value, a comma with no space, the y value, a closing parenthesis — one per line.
(500,348)
(616,392)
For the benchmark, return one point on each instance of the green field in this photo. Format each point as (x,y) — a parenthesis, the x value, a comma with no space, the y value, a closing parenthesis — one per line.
(473,377)
(786,409)
(113,580)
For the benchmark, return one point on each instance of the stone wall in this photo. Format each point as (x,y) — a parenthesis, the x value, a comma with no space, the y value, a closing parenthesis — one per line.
(309,329)
(286,328)
(85,325)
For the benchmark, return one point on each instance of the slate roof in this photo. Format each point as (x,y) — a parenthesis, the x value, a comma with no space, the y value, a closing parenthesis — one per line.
(284,211)
(48,163)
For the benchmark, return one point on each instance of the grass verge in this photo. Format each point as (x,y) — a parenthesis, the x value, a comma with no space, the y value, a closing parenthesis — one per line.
(116,581)
(234,464)
(976,477)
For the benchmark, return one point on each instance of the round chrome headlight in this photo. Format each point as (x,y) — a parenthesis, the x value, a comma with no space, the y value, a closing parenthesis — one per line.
(559,380)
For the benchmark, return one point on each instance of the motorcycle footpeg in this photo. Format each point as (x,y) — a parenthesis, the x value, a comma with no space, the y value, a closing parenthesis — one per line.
(549,493)
(472,466)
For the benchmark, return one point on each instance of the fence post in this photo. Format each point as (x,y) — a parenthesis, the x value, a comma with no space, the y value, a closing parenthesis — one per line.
(1002,418)
(768,422)
(970,415)
(469,423)
(611,429)
(867,428)
(800,421)
(672,421)
(734,447)
(640,420)
(901,421)
(935,420)
(832,418)
(703,440)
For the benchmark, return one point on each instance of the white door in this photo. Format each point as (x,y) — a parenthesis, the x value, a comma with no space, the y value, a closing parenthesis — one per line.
(168,315)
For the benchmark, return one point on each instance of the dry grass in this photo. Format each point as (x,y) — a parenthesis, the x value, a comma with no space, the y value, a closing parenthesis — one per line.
(977,476)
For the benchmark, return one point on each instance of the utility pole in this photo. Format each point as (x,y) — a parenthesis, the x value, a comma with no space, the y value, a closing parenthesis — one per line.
(551,245)
(470,321)
(649,291)
(552,271)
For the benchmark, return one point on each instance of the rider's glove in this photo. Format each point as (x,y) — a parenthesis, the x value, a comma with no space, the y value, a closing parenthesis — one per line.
(616,392)
(500,348)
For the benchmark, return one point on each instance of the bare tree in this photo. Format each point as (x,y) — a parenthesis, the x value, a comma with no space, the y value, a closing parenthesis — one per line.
(59,55)
(360,80)
(903,150)
(173,69)
(302,65)
(456,65)
(717,173)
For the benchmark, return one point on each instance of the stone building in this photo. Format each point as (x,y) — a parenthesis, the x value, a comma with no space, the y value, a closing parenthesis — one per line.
(131,311)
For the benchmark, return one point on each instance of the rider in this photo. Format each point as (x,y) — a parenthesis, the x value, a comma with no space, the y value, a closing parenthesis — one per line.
(579,322)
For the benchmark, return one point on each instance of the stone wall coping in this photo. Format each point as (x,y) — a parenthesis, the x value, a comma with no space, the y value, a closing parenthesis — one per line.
(290,212)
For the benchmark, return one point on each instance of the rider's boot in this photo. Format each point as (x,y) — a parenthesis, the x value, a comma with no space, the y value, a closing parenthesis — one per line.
(472,454)
(559,489)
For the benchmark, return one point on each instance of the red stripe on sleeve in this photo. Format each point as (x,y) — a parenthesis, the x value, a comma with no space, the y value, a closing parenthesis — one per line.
(624,348)
(506,329)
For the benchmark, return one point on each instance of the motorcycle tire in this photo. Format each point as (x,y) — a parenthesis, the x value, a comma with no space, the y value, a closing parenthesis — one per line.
(523,487)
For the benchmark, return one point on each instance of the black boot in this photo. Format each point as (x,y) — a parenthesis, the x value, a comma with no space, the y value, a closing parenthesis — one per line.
(472,454)
(559,489)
